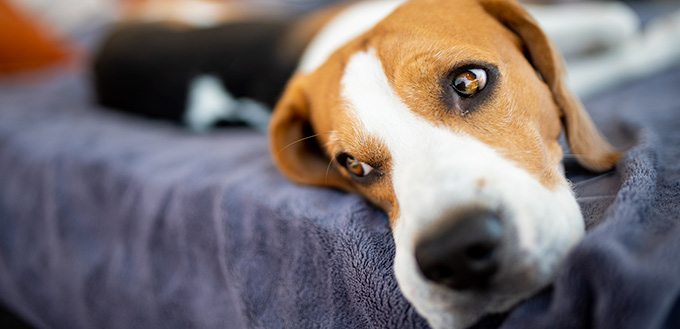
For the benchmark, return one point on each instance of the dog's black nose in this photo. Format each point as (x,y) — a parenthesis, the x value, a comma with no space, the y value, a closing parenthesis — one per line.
(463,255)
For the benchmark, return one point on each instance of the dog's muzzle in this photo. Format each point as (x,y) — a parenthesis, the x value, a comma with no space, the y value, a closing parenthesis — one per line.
(476,233)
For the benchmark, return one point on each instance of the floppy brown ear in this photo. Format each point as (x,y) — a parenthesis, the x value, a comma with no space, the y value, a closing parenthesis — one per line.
(588,145)
(293,143)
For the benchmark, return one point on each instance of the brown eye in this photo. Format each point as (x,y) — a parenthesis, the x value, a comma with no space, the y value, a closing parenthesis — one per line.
(469,82)
(356,167)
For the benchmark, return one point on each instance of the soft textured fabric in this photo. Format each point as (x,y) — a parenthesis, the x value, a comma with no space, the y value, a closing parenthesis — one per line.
(112,221)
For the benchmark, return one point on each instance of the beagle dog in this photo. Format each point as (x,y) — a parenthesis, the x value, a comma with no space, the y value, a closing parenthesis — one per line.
(444,113)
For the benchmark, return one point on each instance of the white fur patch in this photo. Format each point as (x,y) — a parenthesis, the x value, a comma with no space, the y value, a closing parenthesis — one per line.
(435,170)
(208,102)
(346,26)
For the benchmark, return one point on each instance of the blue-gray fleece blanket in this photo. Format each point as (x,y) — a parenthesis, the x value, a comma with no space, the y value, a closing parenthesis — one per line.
(112,221)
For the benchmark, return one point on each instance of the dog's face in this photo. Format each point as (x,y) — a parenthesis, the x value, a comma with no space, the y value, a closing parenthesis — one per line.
(447,115)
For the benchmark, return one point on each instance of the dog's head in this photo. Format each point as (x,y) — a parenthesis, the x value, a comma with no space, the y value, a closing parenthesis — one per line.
(447,115)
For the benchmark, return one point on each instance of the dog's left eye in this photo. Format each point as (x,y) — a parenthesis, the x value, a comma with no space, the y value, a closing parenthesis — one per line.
(469,82)
(356,167)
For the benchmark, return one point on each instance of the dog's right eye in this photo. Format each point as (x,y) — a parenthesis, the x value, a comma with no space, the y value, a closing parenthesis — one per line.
(469,82)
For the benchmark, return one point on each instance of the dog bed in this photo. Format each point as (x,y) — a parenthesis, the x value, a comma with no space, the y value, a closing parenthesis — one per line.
(113,221)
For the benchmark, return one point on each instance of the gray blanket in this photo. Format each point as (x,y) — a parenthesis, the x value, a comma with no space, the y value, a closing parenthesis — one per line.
(112,221)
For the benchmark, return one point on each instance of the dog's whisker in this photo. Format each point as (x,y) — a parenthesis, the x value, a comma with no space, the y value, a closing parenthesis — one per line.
(328,168)
(595,198)
(304,139)
(595,178)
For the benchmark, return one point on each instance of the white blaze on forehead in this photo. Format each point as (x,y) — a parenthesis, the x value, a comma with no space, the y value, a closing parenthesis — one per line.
(375,104)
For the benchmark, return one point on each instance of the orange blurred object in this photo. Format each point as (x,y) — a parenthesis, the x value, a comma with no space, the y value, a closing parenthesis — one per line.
(24,45)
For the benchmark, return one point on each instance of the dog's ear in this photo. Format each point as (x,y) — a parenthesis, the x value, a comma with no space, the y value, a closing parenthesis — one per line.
(588,145)
(294,144)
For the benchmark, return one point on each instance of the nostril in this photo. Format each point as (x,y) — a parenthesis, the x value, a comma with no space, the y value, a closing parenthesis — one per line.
(480,252)
(439,273)
(463,254)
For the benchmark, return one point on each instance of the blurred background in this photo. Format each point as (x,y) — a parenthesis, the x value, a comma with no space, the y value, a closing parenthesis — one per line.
(35,33)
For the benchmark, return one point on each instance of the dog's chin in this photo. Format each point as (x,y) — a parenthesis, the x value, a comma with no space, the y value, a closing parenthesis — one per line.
(441,306)
(539,233)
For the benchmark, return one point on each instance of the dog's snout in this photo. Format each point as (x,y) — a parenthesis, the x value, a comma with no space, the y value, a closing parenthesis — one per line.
(463,255)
